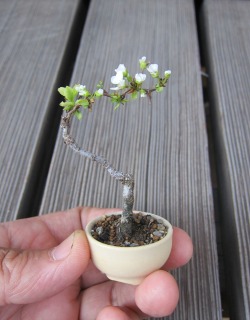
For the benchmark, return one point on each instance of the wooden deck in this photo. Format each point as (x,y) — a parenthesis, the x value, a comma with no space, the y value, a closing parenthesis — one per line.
(226,31)
(47,44)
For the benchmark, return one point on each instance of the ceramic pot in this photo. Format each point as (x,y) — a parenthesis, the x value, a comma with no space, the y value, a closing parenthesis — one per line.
(129,264)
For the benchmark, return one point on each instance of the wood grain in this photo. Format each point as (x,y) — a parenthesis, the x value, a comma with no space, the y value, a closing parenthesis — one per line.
(164,143)
(226,29)
(33,38)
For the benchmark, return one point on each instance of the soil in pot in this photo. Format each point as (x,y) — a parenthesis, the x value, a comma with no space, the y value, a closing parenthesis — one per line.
(146,230)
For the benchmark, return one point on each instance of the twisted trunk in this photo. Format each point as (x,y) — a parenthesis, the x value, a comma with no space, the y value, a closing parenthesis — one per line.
(127,180)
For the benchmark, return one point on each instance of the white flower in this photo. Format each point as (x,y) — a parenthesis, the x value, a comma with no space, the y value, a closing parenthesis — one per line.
(120,85)
(143,94)
(167,73)
(140,77)
(81,89)
(143,59)
(153,69)
(121,68)
(117,78)
(99,92)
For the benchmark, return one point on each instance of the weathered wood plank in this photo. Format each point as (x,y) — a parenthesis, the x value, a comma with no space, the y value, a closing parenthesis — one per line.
(164,144)
(33,38)
(226,28)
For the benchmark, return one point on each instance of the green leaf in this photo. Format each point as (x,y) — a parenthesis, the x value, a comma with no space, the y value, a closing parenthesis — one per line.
(117,106)
(124,101)
(78,114)
(115,98)
(134,95)
(83,102)
(67,108)
(67,104)
(68,93)
(62,91)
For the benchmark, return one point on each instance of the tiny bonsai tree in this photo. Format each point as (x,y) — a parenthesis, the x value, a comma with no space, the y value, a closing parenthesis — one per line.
(78,97)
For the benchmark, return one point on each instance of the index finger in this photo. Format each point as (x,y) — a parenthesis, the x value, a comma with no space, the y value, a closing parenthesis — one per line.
(45,231)
(63,223)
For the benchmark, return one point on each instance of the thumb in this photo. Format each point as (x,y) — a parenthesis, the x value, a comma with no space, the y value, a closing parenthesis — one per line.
(32,275)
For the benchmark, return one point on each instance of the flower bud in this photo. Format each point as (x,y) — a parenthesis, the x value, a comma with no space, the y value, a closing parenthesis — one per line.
(81,90)
(121,68)
(140,77)
(167,74)
(153,70)
(143,63)
(99,93)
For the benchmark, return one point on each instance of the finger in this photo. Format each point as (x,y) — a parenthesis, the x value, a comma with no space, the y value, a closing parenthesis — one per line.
(115,313)
(182,250)
(92,276)
(158,294)
(32,275)
(47,230)
(109,293)
(63,223)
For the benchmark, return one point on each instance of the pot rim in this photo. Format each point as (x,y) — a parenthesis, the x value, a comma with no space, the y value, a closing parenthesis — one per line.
(140,247)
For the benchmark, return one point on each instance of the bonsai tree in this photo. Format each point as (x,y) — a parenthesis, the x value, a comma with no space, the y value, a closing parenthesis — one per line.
(127,87)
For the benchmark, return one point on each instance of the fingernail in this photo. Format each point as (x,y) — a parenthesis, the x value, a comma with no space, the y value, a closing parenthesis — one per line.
(62,251)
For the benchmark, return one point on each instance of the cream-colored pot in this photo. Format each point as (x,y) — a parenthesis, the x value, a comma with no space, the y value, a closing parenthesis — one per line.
(130,264)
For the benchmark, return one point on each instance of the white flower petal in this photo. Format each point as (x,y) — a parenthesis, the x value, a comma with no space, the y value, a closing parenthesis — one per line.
(152,68)
(100,91)
(120,85)
(80,87)
(143,59)
(117,78)
(140,77)
(121,68)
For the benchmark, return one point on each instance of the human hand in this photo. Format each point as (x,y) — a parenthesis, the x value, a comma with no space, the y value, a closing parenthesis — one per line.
(44,276)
